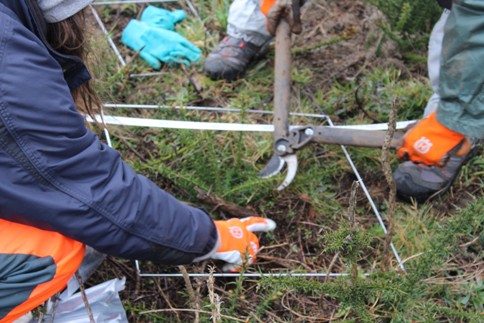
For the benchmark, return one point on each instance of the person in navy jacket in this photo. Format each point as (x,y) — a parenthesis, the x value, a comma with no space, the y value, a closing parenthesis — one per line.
(58,177)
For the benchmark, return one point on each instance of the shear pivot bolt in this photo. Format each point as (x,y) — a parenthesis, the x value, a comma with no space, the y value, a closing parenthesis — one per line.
(309,131)
(281,148)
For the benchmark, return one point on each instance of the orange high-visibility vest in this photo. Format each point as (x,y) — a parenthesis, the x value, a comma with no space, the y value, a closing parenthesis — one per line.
(22,241)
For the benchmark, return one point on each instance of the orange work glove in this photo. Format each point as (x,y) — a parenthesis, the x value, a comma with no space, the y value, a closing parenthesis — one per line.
(275,9)
(431,143)
(237,242)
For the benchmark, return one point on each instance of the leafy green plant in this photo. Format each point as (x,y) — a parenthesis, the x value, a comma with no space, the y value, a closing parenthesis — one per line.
(408,22)
(409,16)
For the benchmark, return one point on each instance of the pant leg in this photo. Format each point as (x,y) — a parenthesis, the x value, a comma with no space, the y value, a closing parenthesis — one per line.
(247,22)
(34,265)
(433,61)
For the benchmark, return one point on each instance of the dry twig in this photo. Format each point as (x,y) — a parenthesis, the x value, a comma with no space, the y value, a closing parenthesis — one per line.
(213,297)
(167,299)
(228,207)
(191,293)
(387,170)
(84,297)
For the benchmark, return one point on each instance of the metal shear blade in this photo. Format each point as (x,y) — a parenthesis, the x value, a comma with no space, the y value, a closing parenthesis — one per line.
(291,161)
(275,165)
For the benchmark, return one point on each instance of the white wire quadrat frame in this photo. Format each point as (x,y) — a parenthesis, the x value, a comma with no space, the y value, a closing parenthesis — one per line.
(217,126)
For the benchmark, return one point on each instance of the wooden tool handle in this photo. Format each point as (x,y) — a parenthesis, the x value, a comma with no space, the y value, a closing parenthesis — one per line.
(282,80)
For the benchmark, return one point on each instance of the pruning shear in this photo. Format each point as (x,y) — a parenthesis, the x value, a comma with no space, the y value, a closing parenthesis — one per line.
(283,152)
(286,142)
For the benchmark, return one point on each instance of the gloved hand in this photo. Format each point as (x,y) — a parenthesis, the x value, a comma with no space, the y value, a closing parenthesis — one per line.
(159,45)
(162,18)
(431,143)
(275,9)
(238,243)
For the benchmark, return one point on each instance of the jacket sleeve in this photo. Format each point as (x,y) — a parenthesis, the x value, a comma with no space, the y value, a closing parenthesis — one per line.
(461,83)
(57,175)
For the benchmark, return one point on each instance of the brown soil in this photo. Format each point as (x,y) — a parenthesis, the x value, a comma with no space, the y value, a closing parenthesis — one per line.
(355,25)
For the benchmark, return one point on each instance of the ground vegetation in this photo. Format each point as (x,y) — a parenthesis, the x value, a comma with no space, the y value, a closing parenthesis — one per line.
(356,61)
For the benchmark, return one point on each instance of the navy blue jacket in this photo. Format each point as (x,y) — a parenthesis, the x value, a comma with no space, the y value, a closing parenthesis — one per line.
(55,174)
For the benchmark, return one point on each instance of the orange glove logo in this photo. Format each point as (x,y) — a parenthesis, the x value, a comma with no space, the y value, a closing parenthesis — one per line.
(236,232)
(423,145)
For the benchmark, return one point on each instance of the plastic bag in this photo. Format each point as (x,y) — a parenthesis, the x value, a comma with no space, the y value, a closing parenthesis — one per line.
(103,300)
(92,260)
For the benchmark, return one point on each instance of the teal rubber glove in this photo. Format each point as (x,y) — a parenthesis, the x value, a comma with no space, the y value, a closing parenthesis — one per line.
(162,18)
(159,45)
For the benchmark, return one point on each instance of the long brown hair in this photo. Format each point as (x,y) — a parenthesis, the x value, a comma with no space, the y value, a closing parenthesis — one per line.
(68,37)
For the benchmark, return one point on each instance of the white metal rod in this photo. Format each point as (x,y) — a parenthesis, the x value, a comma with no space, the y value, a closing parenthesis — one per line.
(374,126)
(110,40)
(214,109)
(195,13)
(147,74)
(215,126)
(191,125)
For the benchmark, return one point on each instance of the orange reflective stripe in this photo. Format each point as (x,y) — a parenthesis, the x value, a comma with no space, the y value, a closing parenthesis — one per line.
(22,239)
(266,5)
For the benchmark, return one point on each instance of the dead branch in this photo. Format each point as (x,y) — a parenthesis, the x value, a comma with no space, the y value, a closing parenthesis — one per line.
(167,299)
(191,293)
(84,297)
(233,209)
(392,195)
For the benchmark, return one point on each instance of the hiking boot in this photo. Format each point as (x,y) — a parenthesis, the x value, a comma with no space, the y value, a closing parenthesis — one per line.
(231,58)
(419,182)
